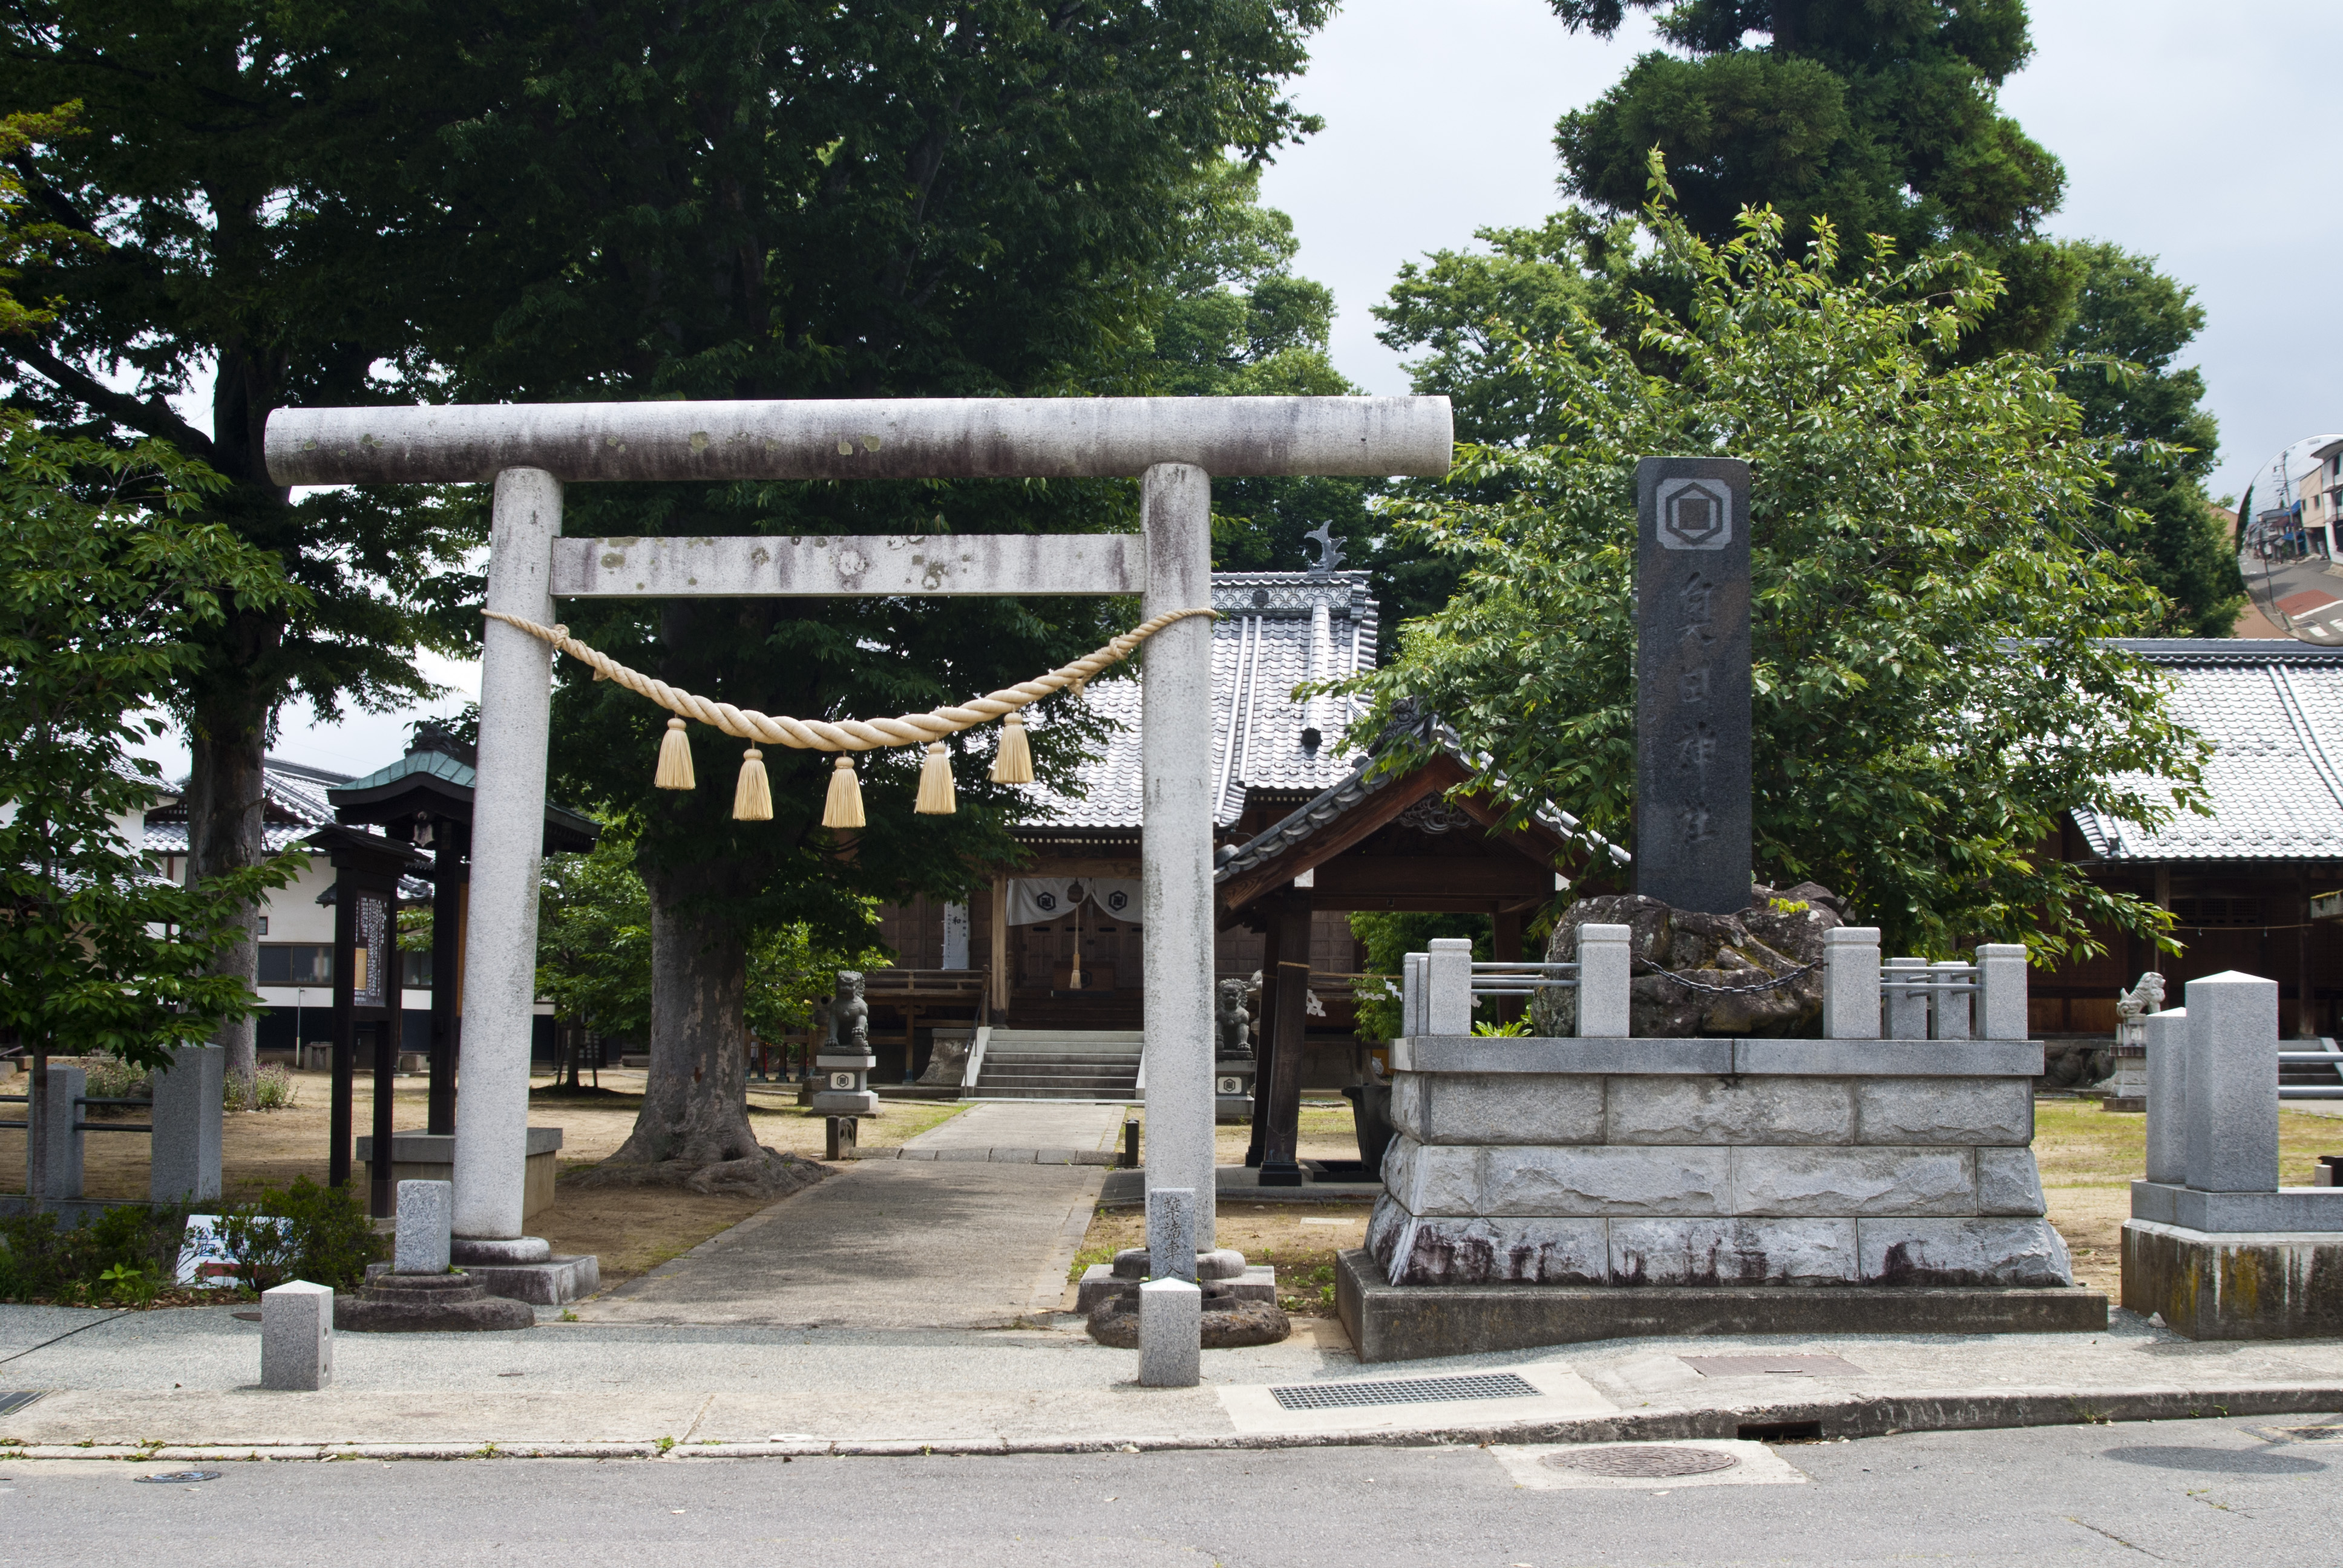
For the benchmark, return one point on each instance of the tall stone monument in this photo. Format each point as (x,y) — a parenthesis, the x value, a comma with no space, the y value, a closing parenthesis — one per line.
(1692,681)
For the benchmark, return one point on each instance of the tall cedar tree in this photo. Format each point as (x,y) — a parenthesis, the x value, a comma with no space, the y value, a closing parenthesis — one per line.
(252,172)
(762,199)
(1878,113)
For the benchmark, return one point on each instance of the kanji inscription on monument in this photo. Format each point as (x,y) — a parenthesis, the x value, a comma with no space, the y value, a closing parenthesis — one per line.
(1692,680)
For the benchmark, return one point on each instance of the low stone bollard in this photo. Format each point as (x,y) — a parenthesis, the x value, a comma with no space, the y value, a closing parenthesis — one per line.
(297,1336)
(1170,1333)
(427,1215)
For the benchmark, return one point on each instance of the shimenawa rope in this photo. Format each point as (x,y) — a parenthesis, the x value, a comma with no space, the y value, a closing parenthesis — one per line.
(844,808)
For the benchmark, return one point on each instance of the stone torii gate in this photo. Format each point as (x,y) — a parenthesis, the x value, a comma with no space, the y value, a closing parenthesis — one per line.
(1172,445)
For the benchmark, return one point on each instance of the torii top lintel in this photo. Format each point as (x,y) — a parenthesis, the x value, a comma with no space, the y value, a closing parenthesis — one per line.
(884,438)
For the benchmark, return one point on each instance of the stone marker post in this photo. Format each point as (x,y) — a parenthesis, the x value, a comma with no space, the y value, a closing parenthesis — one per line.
(2167,1095)
(1172,1233)
(1171,1334)
(1692,683)
(54,1119)
(426,1212)
(186,1167)
(2232,1077)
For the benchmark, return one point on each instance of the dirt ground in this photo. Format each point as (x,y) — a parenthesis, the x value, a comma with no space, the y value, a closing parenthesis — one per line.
(1300,1239)
(633,1230)
(2090,1157)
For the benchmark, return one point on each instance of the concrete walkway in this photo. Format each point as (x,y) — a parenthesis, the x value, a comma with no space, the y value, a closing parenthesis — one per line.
(978,1233)
(180,1384)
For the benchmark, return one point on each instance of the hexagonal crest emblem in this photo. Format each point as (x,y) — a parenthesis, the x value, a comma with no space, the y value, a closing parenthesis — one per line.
(1695,515)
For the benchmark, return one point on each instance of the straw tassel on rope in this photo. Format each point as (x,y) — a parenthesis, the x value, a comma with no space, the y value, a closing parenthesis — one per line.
(674,758)
(752,799)
(935,783)
(1013,763)
(844,807)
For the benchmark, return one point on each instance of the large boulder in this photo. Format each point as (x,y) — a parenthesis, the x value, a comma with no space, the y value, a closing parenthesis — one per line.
(1754,972)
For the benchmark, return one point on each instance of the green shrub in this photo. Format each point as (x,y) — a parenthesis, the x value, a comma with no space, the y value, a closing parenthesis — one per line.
(303,1232)
(110,1077)
(124,1254)
(270,1089)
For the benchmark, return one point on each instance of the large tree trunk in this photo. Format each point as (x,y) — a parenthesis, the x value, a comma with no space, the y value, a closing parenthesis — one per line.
(694,1105)
(225,814)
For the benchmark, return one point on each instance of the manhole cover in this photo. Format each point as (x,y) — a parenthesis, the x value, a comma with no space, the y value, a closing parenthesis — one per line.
(181,1477)
(1641,1460)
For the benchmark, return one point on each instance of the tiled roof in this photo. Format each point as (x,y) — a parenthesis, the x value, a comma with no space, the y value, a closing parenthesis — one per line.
(294,804)
(1277,631)
(2273,712)
(1366,779)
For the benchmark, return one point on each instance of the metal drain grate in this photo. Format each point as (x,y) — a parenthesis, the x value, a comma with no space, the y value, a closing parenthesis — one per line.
(1402,1391)
(10,1403)
(1641,1460)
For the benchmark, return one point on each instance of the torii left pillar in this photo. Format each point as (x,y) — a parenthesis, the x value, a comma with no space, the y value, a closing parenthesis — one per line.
(507,850)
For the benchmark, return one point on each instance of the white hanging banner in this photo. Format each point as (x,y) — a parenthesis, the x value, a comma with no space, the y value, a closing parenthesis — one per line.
(1033,901)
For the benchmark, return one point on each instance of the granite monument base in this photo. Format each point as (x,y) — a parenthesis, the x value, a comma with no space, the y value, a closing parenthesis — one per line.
(396,1303)
(1390,1323)
(525,1270)
(2235,1285)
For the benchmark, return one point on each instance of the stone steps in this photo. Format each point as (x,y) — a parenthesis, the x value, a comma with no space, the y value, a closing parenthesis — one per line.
(1055,1064)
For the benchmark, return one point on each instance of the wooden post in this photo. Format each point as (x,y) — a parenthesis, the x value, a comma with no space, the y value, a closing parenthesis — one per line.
(448,874)
(1278,1166)
(340,1117)
(1000,944)
(1264,1047)
(2306,1003)
(389,1035)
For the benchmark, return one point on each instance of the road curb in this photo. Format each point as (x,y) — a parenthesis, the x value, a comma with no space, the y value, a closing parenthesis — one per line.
(1826,1419)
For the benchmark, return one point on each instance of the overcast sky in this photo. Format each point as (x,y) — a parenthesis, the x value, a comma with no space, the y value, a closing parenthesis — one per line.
(2197,134)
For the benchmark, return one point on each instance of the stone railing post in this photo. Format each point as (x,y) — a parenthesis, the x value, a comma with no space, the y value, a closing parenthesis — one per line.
(1448,986)
(1905,1004)
(2001,990)
(1851,984)
(1949,1018)
(1605,960)
(1410,994)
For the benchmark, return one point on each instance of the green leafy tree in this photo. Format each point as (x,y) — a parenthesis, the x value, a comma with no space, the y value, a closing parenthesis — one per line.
(2129,324)
(1932,689)
(262,177)
(593,948)
(1879,116)
(105,584)
(766,200)
(106,589)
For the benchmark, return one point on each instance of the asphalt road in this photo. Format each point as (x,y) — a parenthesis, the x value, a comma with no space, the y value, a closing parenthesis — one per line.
(2231,1493)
